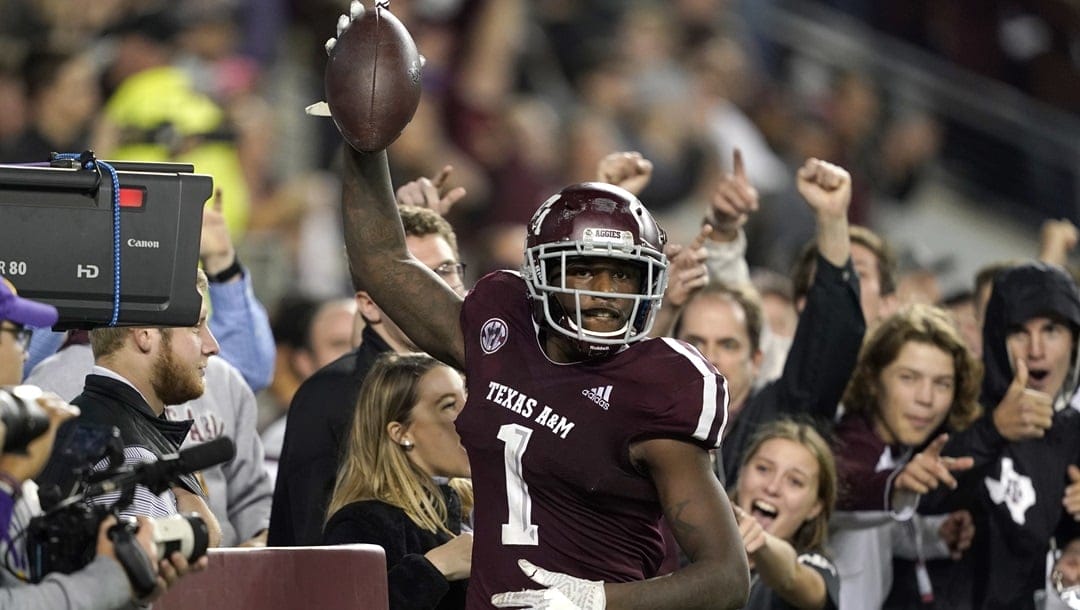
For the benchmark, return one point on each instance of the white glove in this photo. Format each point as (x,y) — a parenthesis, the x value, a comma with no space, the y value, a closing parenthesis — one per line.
(564,592)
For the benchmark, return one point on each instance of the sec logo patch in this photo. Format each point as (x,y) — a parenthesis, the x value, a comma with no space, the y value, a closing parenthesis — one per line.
(493,335)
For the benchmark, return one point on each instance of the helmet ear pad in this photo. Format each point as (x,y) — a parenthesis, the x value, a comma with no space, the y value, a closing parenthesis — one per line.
(593,220)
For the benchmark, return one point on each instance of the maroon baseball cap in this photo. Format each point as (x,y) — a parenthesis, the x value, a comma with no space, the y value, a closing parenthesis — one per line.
(24,311)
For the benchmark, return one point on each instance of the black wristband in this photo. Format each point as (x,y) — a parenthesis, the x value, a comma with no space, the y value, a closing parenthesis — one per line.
(227,273)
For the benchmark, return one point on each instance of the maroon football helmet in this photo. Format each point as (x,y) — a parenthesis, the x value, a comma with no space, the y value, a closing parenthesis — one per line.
(593,219)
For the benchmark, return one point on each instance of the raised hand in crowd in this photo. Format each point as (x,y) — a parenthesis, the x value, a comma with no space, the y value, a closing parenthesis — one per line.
(928,469)
(1023,413)
(216,250)
(957,531)
(687,273)
(629,170)
(1057,239)
(733,200)
(827,189)
(1071,501)
(431,193)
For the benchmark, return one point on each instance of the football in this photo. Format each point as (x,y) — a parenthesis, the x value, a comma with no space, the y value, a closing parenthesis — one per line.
(372,80)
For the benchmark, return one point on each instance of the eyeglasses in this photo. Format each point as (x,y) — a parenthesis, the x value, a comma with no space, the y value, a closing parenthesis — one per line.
(22,334)
(449,271)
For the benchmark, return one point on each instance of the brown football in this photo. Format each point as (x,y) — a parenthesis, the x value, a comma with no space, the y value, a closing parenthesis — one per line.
(372,80)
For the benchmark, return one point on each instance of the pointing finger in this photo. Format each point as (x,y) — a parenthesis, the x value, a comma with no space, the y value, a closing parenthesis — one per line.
(699,239)
(934,449)
(958,464)
(440,178)
(738,167)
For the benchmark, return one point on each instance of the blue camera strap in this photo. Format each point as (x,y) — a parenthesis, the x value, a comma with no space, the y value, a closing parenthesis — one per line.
(88,162)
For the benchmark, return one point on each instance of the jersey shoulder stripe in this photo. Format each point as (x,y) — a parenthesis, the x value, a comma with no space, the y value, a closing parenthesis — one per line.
(711,410)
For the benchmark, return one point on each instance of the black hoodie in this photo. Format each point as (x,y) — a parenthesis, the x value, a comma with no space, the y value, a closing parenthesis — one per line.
(1024,292)
(1016,488)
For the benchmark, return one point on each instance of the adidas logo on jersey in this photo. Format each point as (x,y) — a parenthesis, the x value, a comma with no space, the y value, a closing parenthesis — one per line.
(599,395)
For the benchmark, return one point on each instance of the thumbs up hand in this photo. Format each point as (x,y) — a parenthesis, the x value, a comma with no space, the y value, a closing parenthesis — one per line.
(1023,414)
(1071,502)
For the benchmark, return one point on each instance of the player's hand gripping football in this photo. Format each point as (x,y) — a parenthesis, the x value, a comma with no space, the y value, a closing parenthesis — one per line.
(563,592)
(372,79)
(356,9)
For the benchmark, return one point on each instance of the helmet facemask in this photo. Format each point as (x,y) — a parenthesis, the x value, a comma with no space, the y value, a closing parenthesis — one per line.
(601,229)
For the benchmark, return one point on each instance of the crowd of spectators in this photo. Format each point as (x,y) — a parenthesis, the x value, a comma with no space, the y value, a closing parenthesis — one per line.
(520,98)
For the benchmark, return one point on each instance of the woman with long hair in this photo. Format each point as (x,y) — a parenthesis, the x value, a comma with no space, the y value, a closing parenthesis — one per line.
(783,501)
(402,439)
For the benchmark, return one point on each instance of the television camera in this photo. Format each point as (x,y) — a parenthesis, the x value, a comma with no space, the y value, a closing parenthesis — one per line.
(63,539)
(107,243)
(24,420)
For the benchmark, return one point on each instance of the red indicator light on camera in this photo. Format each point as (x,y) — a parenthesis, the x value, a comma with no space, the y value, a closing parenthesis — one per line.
(132,197)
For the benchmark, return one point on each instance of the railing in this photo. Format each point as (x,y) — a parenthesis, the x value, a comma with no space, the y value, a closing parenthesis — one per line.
(1017,150)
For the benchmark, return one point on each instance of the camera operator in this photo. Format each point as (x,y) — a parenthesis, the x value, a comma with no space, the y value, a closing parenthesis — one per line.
(137,372)
(102,583)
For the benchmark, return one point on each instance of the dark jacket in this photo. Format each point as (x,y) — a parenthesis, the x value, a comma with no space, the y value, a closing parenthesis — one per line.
(414,583)
(1016,489)
(818,366)
(317,427)
(109,402)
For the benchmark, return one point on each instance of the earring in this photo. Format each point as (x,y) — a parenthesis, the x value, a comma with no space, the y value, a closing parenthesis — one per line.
(407,445)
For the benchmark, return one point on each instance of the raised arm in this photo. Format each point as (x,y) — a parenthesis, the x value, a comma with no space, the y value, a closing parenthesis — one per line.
(420,303)
(732,202)
(1056,240)
(830,330)
(237,319)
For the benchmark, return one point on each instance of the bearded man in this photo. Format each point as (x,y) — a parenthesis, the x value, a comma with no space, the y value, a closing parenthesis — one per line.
(138,371)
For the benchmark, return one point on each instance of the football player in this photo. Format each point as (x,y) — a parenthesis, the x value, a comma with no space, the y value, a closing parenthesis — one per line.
(581,432)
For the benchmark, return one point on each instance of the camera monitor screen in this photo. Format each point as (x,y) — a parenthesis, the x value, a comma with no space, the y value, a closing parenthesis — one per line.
(57,242)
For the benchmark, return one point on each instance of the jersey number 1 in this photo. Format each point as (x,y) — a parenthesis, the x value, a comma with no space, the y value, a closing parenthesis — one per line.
(519,529)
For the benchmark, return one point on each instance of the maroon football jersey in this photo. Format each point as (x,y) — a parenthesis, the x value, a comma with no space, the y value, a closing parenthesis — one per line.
(549,445)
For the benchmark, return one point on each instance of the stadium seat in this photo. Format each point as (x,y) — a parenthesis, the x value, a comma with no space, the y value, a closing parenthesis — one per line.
(350,576)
